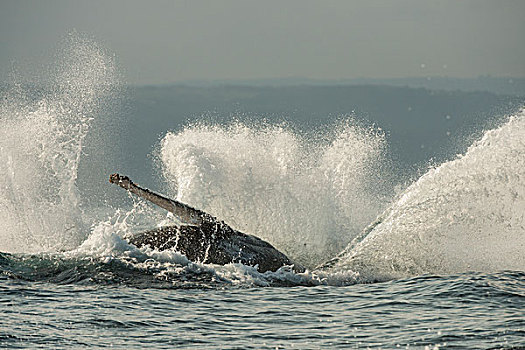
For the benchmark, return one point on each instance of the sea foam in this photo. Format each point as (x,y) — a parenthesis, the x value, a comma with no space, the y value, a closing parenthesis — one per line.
(307,196)
(42,129)
(467,214)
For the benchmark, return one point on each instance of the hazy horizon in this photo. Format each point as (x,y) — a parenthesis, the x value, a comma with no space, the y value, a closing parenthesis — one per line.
(166,42)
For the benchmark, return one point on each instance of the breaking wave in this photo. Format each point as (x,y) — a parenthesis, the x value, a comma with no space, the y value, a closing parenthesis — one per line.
(465,215)
(307,196)
(42,128)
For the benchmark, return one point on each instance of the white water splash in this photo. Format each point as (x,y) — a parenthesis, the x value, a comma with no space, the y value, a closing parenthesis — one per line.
(467,214)
(41,135)
(308,198)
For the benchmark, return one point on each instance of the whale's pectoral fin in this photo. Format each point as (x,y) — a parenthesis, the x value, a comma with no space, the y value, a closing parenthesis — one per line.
(183,212)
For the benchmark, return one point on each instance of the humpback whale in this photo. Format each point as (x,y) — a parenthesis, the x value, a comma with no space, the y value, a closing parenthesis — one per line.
(202,237)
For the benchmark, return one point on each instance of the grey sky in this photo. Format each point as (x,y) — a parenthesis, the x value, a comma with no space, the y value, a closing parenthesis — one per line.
(169,41)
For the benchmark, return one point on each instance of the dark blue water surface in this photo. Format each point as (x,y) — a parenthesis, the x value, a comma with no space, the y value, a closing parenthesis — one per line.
(51,302)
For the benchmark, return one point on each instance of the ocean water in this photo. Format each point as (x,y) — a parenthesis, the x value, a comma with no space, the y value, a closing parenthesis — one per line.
(438,262)
(463,311)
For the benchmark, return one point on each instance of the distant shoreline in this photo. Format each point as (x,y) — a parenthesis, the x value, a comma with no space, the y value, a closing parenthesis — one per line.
(499,85)
(510,86)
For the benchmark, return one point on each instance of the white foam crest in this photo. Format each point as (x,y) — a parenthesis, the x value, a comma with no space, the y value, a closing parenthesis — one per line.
(307,197)
(467,214)
(40,148)
(107,242)
(106,245)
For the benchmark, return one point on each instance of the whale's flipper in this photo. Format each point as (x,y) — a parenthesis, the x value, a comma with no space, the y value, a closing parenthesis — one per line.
(182,211)
(204,239)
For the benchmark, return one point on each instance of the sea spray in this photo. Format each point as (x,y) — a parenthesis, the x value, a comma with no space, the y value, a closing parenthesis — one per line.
(42,127)
(465,215)
(307,196)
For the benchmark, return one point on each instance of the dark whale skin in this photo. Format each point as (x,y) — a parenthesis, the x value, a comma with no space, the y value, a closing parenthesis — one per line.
(206,240)
(215,243)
